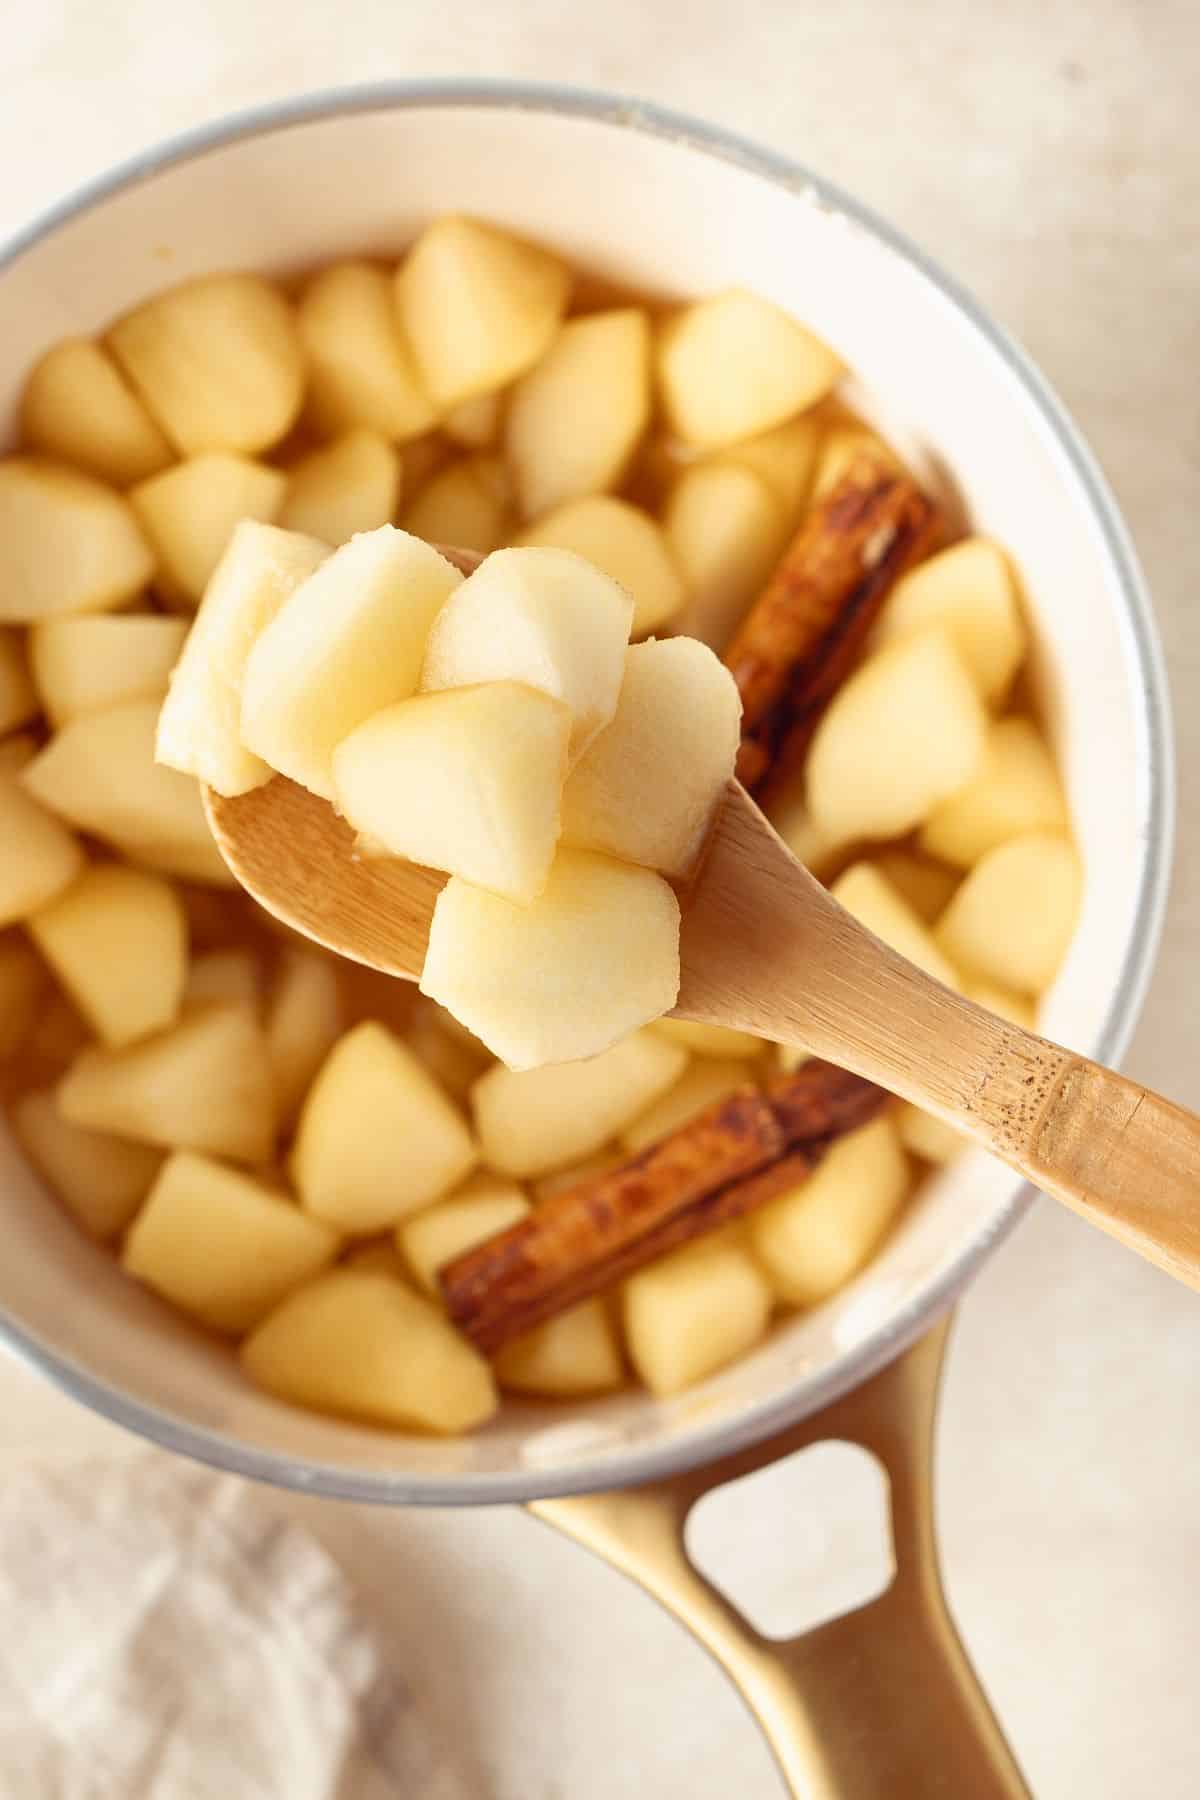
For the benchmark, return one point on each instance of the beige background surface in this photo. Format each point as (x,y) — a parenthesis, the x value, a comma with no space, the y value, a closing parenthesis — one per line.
(1050,155)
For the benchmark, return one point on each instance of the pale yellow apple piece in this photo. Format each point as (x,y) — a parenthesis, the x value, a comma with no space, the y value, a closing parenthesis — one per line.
(840,447)
(87,664)
(592,958)
(360,1344)
(304,1020)
(18,698)
(68,543)
(217,360)
(377,1137)
(348,642)
(623,542)
(350,485)
(929,1138)
(465,505)
(969,592)
(869,896)
(813,1240)
(221,1246)
(576,1352)
(1014,791)
(785,458)
(544,617)
(1015,914)
(77,406)
(457,1224)
(101,1180)
(468,780)
(361,369)
(475,423)
(38,855)
(117,940)
(734,364)
(189,514)
(692,1312)
(927,886)
(1018,1009)
(199,727)
(204,1084)
(702,1084)
(23,985)
(575,419)
(224,975)
(710,1040)
(479,306)
(726,530)
(648,788)
(530,1123)
(904,733)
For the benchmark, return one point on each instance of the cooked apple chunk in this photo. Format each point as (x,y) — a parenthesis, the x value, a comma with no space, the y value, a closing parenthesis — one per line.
(361,369)
(704,1081)
(478,306)
(199,727)
(592,958)
(77,407)
(85,665)
(217,360)
(1015,914)
(577,1352)
(690,1313)
(190,512)
(70,544)
(117,940)
(734,365)
(303,1023)
(622,541)
(465,506)
(348,642)
(726,530)
(345,487)
(648,787)
(967,591)
(1014,791)
(468,780)
(38,855)
(485,1206)
(101,1180)
(543,617)
(869,896)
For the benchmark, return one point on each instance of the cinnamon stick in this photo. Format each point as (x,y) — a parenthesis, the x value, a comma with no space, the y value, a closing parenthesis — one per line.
(802,636)
(730,1158)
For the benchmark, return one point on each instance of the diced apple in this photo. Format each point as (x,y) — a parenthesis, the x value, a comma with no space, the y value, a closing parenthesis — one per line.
(38,855)
(927,886)
(345,487)
(734,364)
(479,306)
(189,514)
(575,419)
(221,1246)
(203,1085)
(455,1225)
(70,544)
(577,1352)
(199,727)
(1016,790)
(22,988)
(304,1021)
(969,592)
(648,788)
(348,642)
(690,1313)
(468,780)
(361,369)
(726,530)
(229,975)
(377,1137)
(18,700)
(813,1240)
(702,1084)
(99,774)
(101,1180)
(1018,1009)
(785,458)
(117,940)
(447,1049)
(903,734)
(562,1179)
(85,665)
(549,1118)
(77,407)
(1011,920)
(474,423)
(464,506)
(870,897)
(789,814)
(623,542)
(710,1040)
(544,617)
(359,1343)
(217,360)
(929,1138)
(840,447)
(592,958)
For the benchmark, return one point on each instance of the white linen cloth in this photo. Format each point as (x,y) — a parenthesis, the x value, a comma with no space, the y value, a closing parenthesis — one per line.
(164,1636)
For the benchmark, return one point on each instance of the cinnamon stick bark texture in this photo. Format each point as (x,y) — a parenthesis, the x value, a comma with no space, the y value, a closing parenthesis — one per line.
(802,636)
(730,1158)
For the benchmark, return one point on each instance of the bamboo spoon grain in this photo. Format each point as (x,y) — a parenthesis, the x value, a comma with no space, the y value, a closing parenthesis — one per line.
(766,949)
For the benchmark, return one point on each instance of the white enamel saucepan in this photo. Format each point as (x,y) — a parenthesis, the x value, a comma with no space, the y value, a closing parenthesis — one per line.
(881,1702)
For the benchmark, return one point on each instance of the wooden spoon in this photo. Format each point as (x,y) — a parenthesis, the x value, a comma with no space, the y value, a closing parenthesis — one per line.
(766,949)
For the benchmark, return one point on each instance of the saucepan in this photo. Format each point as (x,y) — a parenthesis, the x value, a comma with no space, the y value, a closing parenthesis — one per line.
(881,1701)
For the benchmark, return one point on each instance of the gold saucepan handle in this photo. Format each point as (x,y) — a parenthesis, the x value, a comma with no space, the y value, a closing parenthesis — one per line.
(881,1704)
